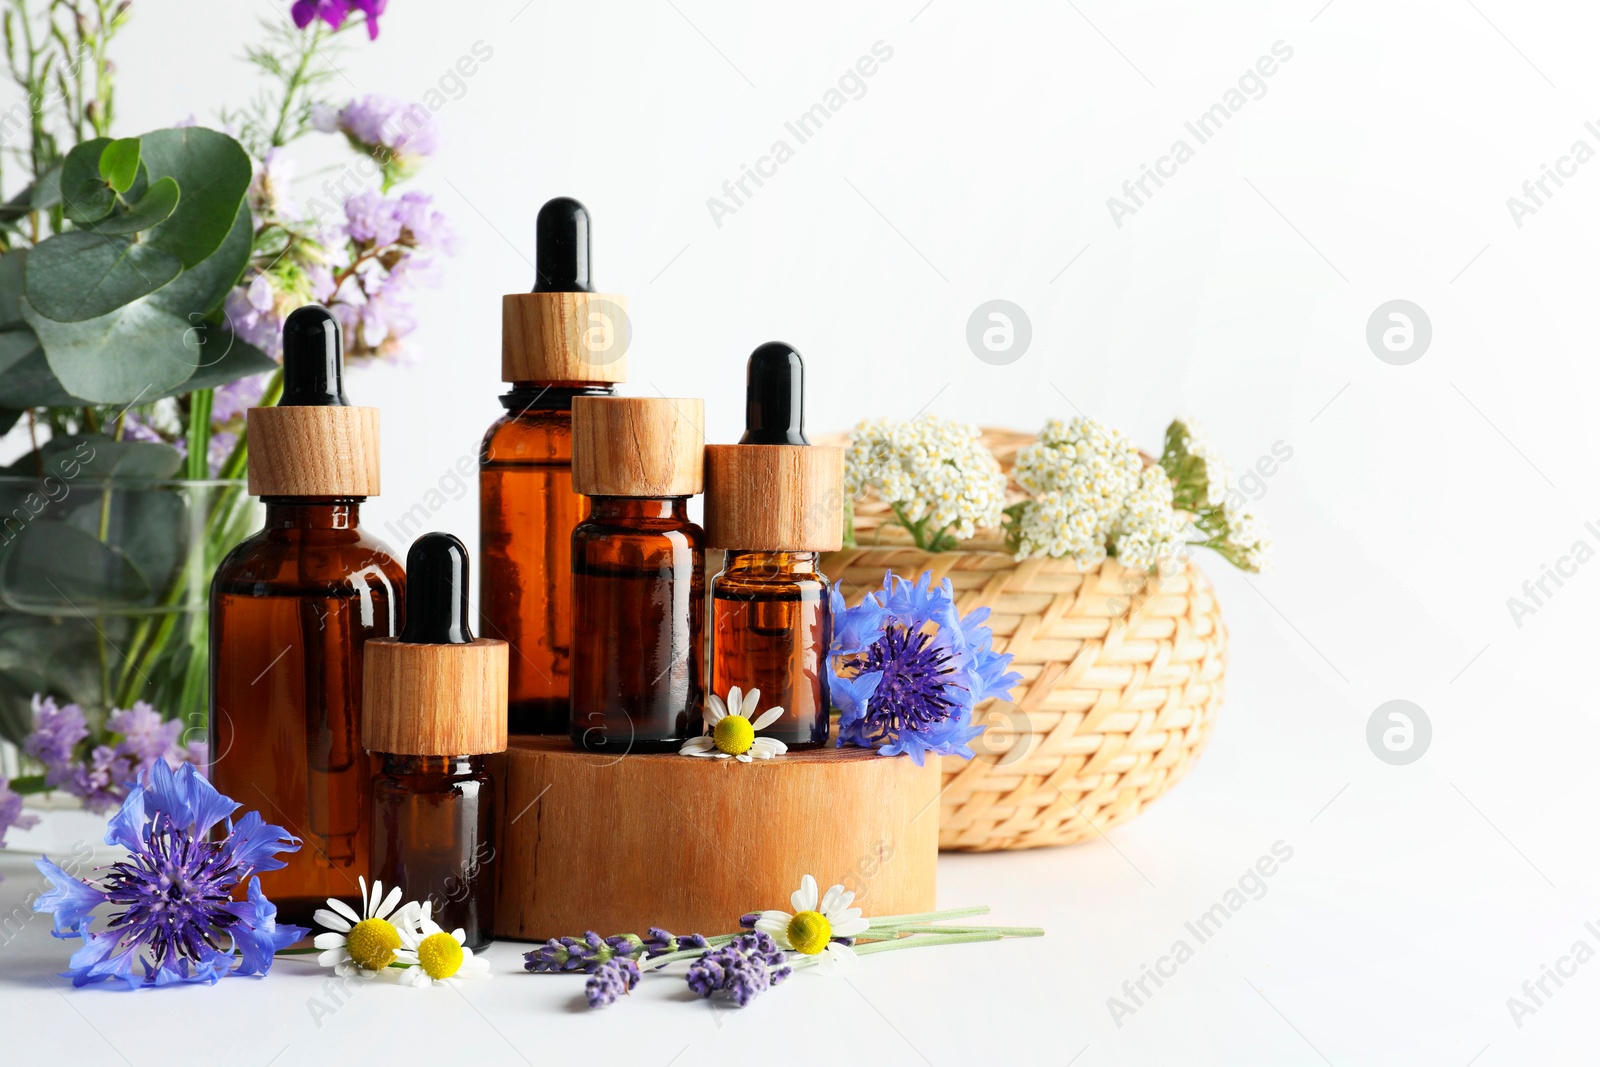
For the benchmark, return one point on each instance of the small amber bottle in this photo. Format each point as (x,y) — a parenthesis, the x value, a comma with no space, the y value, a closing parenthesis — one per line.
(292,608)
(435,707)
(559,342)
(638,574)
(774,501)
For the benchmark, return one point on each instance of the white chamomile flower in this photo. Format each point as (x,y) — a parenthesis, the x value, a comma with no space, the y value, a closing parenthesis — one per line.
(434,955)
(733,731)
(362,944)
(813,926)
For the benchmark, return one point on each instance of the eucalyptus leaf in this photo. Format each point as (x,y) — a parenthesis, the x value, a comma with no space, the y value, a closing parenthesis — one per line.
(59,656)
(214,173)
(56,568)
(11,281)
(146,526)
(154,207)
(200,290)
(16,345)
(85,193)
(239,358)
(119,163)
(136,352)
(45,193)
(101,456)
(29,382)
(73,277)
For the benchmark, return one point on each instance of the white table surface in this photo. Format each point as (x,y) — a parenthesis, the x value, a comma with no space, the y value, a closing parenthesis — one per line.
(1393,935)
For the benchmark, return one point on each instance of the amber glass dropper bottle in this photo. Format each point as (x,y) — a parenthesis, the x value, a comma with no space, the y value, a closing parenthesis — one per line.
(291,609)
(435,707)
(638,574)
(774,501)
(559,342)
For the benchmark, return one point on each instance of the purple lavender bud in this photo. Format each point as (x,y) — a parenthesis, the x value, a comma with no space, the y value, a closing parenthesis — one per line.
(780,973)
(611,980)
(692,941)
(748,919)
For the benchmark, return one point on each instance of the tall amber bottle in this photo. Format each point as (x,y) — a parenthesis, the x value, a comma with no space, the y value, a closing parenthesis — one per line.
(435,708)
(291,608)
(638,574)
(559,342)
(774,501)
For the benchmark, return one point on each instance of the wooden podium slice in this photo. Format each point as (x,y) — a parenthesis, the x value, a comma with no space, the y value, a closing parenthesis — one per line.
(618,844)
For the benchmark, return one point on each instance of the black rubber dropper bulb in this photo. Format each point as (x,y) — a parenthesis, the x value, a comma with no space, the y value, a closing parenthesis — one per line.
(774,406)
(437,570)
(313,360)
(563,247)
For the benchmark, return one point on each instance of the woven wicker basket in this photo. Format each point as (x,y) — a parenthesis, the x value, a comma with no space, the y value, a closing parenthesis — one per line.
(1121,680)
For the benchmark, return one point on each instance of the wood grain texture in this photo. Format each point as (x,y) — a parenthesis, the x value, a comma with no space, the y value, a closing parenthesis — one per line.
(434,700)
(617,845)
(311,451)
(775,498)
(564,337)
(638,446)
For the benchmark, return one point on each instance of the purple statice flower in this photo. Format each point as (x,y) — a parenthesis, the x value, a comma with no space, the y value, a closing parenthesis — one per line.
(230,401)
(101,782)
(611,980)
(744,968)
(57,729)
(334,12)
(587,954)
(146,736)
(390,130)
(659,942)
(370,218)
(11,811)
(176,919)
(251,311)
(908,669)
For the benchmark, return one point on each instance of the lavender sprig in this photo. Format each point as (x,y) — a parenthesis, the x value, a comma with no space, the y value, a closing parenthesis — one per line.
(611,980)
(744,968)
(587,954)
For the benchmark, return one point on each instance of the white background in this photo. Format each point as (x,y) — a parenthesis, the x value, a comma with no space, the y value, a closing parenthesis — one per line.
(977,165)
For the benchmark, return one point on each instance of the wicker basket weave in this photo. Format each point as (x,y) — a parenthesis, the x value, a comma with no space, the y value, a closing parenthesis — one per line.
(1121,680)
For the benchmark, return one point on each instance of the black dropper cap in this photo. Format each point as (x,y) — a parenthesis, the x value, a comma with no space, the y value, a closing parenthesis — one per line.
(313,360)
(774,405)
(563,247)
(437,570)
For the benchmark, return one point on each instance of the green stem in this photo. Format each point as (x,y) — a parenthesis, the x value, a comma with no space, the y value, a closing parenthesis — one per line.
(880,921)
(198,468)
(932,940)
(296,83)
(29,783)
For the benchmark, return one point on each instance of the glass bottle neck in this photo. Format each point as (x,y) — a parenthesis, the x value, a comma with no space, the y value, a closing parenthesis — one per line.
(313,513)
(624,508)
(744,561)
(451,766)
(550,396)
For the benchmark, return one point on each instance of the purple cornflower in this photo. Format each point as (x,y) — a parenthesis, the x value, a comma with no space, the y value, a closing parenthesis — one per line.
(908,670)
(57,729)
(744,968)
(177,920)
(334,12)
(587,954)
(611,980)
(659,942)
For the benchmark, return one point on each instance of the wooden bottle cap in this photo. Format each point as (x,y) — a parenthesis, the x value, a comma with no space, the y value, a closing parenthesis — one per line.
(313,451)
(637,446)
(564,337)
(434,700)
(775,498)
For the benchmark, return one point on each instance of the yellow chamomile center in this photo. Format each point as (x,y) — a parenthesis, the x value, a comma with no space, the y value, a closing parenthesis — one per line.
(733,735)
(809,932)
(372,943)
(439,955)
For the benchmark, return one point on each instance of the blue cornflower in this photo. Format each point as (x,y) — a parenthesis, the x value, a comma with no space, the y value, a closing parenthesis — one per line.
(908,669)
(178,921)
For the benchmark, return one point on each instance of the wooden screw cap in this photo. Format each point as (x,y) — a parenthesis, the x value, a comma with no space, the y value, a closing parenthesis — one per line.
(313,443)
(637,446)
(434,691)
(313,451)
(434,700)
(775,498)
(564,337)
(562,331)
